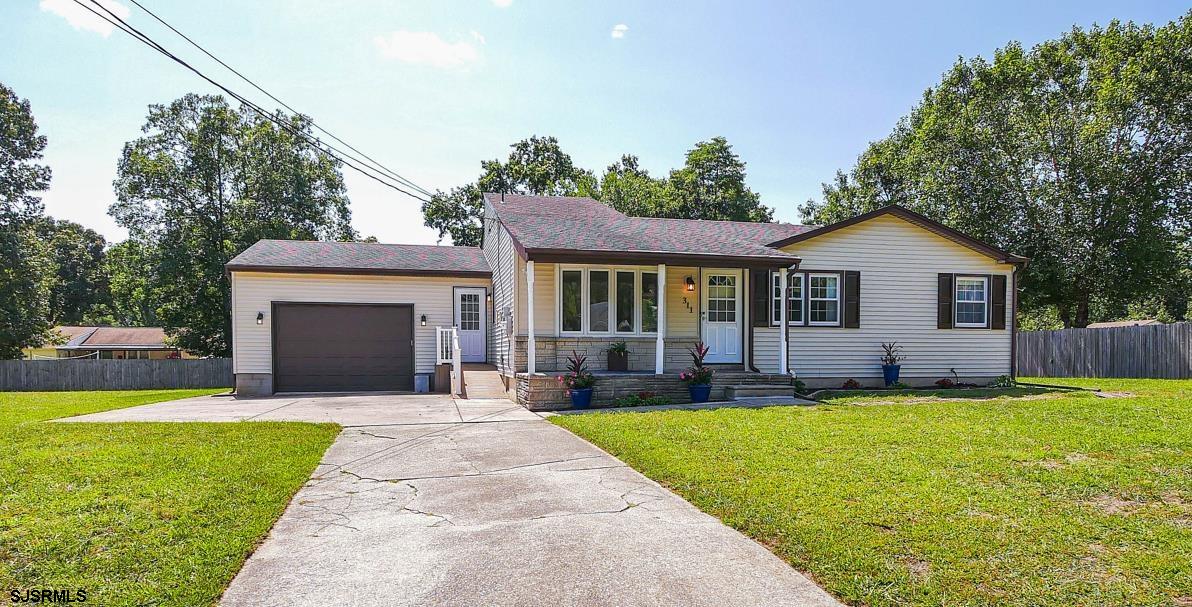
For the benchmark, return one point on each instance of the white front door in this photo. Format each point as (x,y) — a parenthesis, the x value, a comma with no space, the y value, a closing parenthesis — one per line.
(722,316)
(470,319)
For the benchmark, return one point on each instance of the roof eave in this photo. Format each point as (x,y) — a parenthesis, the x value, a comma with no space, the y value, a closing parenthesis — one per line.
(357,271)
(550,255)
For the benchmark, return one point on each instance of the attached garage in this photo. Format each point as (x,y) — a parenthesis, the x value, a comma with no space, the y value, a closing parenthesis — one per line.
(348,316)
(319,347)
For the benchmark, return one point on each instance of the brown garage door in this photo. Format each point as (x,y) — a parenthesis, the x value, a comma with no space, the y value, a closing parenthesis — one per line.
(343,347)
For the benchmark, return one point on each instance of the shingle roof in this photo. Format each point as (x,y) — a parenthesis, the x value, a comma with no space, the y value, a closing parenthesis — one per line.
(134,337)
(112,338)
(552,223)
(360,257)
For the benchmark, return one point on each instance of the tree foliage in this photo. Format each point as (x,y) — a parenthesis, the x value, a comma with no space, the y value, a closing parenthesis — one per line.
(25,273)
(80,286)
(205,182)
(710,185)
(1076,153)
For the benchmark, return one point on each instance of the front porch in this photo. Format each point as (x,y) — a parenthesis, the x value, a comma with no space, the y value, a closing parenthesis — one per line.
(542,391)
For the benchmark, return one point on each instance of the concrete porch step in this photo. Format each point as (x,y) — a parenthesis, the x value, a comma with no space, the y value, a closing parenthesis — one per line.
(751,390)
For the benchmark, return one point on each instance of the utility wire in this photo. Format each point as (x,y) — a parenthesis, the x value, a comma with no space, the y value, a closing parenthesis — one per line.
(375,163)
(123,26)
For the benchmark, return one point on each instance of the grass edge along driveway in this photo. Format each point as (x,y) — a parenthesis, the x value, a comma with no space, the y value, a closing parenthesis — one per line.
(1039,499)
(140,513)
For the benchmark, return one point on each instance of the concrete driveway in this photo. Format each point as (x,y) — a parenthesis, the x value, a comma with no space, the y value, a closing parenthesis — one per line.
(423,500)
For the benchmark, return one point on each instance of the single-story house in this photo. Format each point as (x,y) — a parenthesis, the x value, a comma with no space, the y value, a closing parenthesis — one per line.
(563,274)
(108,343)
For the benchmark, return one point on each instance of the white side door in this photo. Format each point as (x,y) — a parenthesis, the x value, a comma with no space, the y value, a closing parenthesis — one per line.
(722,316)
(472,323)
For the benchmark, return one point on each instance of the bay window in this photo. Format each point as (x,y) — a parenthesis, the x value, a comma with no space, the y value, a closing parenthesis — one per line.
(598,307)
(607,301)
(571,304)
(649,302)
(626,301)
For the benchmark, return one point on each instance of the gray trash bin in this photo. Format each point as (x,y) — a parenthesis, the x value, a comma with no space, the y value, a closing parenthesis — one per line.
(422,383)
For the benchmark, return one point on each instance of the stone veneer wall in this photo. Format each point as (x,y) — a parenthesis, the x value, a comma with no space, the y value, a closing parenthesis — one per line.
(542,392)
(552,352)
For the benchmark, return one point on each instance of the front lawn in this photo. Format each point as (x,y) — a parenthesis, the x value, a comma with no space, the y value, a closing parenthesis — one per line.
(1039,498)
(140,513)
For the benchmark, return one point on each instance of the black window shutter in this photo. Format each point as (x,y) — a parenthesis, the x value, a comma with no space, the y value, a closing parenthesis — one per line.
(944,302)
(852,299)
(997,299)
(761,310)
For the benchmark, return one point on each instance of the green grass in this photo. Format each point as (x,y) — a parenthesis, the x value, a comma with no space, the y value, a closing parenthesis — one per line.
(1031,498)
(140,513)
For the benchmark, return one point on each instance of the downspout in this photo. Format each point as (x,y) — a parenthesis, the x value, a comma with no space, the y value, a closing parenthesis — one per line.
(749,334)
(1014,321)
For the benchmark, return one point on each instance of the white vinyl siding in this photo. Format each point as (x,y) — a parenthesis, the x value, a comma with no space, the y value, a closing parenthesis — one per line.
(499,253)
(899,263)
(254,292)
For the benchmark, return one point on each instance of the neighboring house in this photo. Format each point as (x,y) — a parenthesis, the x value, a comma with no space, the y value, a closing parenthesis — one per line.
(1123,323)
(563,274)
(115,343)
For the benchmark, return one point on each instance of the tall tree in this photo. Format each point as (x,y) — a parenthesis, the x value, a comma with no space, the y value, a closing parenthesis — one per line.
(1076,153)
(630,189)
(535,166)
(25,273)
(131,268)
(711,185)
(81,281)
(207,181)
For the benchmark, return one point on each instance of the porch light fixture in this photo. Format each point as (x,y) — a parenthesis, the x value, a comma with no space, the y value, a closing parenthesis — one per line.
(260,318)
(424,320)
(690,284)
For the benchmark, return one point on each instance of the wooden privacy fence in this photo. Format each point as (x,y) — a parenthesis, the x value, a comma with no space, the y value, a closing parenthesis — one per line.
(82,374)
(1154,351)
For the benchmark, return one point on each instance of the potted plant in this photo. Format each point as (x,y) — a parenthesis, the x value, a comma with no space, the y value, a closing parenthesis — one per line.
(698,377)
(578,381)
(618,356)
(890,360)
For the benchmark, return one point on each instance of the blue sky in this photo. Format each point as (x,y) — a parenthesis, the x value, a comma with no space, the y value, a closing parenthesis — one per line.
(433,88)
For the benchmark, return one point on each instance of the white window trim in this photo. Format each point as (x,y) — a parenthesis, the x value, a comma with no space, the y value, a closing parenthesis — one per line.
(984,302)
(585,300)
(839,312)
(790,276)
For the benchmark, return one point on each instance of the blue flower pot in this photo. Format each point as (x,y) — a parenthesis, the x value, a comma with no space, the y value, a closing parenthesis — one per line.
(699,392)
(582,398)
(890,374)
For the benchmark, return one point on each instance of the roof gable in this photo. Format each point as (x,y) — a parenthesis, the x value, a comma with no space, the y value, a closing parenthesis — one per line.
(916,219)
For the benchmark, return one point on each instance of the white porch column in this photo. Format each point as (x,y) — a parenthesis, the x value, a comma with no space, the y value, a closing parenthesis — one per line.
(530,353)
(660,344)
(783,352)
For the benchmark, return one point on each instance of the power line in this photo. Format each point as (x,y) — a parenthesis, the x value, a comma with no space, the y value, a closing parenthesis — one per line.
(375,164)
(123,26)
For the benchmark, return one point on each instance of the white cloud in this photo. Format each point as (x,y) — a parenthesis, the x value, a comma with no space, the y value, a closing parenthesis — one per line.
(502,3)
(426,48)
(83,19)
(619,30)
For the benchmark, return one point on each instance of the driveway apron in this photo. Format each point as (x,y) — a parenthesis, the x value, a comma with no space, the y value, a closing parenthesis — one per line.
(423,500)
